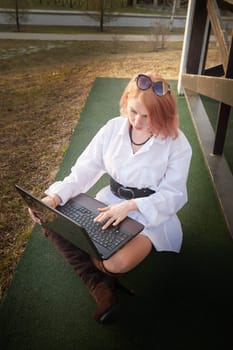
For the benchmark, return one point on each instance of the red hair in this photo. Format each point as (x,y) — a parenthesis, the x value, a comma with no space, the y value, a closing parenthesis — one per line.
(162,110)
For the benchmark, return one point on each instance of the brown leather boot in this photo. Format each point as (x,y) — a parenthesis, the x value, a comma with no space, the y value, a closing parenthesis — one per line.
(99,264)
(100,285)
(106,300)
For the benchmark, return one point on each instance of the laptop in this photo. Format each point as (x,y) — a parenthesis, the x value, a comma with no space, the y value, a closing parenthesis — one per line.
(74,222)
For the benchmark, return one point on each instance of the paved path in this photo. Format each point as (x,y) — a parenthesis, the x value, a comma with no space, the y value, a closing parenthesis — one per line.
(83,37)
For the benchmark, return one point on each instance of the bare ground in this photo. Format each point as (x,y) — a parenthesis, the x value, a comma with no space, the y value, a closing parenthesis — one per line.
(42,87)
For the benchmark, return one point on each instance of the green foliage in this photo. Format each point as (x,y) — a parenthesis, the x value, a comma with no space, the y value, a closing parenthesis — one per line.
(22,4)
(69,4)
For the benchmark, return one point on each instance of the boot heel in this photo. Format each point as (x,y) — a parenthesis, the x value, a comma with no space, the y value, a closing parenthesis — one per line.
(105,317)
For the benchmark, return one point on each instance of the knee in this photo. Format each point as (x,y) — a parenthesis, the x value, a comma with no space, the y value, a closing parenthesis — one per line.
(117,264)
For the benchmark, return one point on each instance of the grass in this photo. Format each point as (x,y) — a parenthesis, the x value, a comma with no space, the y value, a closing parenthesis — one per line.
(23,48)
(43,89)
(82,29)
(35,4)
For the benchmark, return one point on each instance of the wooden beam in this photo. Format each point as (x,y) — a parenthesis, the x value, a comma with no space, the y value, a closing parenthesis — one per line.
(219,169)
(220,89)
(221,129)
(216,71)
(197,37)
(220,35)
(229,71)
(205,45)
(225,5)
(224,111)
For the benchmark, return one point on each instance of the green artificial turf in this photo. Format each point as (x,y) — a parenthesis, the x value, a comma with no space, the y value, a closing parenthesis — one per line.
(182,301)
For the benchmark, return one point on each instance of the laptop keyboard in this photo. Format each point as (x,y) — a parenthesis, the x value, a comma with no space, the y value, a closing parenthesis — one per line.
(109,238)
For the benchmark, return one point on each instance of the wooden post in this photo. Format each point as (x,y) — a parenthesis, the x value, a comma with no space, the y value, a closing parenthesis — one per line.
(187,35)
(224,110)
(197,37)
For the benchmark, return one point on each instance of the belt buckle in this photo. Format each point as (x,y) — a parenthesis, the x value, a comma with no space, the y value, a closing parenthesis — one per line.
(125,193)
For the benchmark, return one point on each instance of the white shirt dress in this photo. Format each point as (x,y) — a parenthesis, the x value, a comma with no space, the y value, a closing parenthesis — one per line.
(161,165)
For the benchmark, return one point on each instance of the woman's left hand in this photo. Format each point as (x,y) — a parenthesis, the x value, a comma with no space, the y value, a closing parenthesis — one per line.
(115,213)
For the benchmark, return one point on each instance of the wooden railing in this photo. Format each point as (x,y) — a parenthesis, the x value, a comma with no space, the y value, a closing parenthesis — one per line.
(214,82)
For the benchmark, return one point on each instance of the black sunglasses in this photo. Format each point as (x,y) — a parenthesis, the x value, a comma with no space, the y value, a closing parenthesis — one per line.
(160,87)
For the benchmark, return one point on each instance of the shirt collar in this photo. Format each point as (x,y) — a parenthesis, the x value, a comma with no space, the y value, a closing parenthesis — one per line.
(125,127)
(124,130)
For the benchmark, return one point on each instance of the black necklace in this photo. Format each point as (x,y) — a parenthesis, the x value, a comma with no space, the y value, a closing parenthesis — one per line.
(134,143)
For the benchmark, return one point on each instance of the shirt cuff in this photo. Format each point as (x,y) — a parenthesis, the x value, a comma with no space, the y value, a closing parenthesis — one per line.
(65,193)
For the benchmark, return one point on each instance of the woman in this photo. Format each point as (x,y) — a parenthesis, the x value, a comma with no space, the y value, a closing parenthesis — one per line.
(148,159)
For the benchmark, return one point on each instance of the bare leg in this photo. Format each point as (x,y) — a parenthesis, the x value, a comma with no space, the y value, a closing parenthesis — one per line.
(129,256)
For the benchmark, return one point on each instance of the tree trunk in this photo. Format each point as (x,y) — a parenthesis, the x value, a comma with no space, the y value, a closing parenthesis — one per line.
(102,15)
(172,16)
(17,15)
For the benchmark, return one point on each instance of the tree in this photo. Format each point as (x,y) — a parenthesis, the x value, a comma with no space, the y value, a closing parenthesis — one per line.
(172,15)
(101,8)
(175,5)
(19,11)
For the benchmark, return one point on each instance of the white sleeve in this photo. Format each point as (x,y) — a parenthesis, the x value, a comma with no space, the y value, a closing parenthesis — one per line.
(88,168)
(171,193)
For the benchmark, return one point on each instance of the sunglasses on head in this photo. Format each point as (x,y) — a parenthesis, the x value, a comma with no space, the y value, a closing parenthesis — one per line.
(159,87)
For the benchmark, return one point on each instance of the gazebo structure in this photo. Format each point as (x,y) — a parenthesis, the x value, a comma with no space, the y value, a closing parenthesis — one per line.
(197,80)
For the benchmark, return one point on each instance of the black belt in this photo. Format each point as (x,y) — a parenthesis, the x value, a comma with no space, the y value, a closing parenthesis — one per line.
(129,192)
